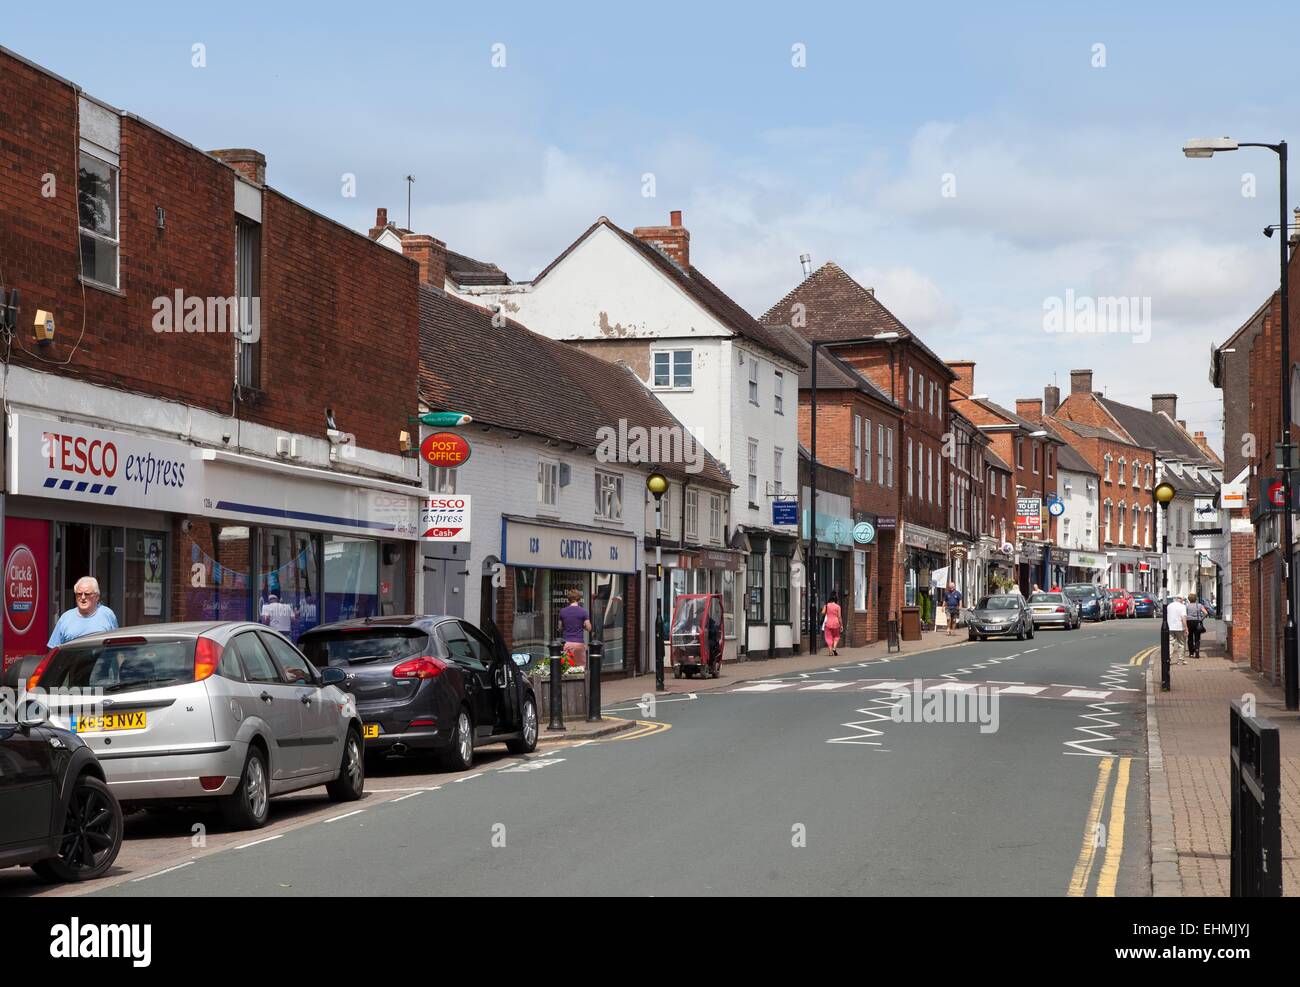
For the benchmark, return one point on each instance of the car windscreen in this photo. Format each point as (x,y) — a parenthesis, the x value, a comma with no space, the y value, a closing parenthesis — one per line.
(997,603)
(363,645)
(122,664)
(1079,592)
(1115,594)
(1046,598)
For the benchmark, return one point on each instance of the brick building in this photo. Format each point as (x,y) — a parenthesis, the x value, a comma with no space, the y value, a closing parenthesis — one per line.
(847,318)
(194,434)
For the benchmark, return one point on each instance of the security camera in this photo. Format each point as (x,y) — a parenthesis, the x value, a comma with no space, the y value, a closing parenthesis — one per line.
(186,524)
(225,437)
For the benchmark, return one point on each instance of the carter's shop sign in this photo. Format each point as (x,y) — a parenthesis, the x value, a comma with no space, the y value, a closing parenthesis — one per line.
(525,543)
(74,462)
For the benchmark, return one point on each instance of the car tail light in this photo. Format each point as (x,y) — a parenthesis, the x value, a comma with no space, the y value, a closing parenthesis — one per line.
(207,656)
(420,668)
(1060,609)
(211,783)
(40,670)
(420,723)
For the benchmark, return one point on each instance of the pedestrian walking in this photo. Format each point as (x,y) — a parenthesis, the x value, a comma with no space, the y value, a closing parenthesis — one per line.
(1176,613)
(1195,625)
(952,603)
(87,617)
(832,623)
(574,619)
(276,615)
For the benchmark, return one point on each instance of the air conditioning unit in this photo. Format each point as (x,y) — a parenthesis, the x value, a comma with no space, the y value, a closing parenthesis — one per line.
(282,445)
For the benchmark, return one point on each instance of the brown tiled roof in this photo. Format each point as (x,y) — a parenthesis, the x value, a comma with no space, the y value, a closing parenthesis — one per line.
(996,460)
(1094,431)
(1069,458)
(699,288)
(1158,432)
(838,308)
(832,372)
(465,270)
(513,378)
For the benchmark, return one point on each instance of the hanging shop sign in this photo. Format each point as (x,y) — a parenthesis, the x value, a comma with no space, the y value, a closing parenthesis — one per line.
(445,449)
(785,512)
(864,533)
(445,518)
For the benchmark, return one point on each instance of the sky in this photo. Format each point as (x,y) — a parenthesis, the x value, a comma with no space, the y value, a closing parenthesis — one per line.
(981,166)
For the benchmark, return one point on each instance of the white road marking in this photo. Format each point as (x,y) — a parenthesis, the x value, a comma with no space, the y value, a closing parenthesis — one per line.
(421,788)
(477,774)
(639,708)
(268,839)
(160,873)
(824,686)
(354,812)
(950,687)
(1086,694)
(1022,690)
(1029,651)
(408,795)
(1004,682)
(888,685)
(763,687)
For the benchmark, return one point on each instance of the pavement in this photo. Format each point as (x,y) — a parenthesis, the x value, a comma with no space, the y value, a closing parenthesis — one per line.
(1188,738)
(792,776)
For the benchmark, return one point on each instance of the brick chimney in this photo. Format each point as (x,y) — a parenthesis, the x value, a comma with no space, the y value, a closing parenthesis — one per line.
(1203,444)
(430,254)
(965,371)
(673,239)
(381,223)
(1051,399)
(249,163)
(1031,408)
(1168,403)
(1080,381)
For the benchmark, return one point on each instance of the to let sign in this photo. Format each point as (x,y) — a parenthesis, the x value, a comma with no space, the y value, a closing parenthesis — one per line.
(1029,515)
(445,449)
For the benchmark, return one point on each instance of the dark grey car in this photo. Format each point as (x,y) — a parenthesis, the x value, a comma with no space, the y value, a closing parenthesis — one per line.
(995,616)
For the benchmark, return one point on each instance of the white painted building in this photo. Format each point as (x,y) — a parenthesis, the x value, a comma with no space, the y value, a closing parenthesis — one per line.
(634,298)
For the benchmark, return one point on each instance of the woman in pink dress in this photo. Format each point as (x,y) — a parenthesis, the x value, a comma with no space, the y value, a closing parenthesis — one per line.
(832,625)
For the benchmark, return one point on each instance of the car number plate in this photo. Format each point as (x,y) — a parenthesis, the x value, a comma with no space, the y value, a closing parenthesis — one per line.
(370,730)
(110,722)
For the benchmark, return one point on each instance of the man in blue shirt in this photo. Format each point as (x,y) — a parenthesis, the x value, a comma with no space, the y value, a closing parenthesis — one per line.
(952,603)
(88,617)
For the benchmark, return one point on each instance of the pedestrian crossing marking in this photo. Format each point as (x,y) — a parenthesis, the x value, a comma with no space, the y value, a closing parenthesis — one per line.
(824,686)
(763,687)
(950,687)
(1022,690)
(1086,694)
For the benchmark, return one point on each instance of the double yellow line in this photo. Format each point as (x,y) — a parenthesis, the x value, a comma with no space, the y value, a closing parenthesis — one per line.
(1141,657)
(1111,837)
(644,729)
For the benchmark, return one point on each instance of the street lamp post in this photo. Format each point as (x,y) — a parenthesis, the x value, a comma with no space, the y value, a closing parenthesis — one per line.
(657,484)
(1162,495)
(1205,147)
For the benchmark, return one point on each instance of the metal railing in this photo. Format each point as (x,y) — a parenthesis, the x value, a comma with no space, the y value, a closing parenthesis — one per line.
(1255,790)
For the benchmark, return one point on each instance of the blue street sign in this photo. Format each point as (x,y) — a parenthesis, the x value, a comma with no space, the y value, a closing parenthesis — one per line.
(785,512)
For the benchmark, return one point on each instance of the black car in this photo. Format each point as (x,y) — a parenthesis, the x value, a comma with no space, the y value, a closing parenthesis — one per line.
(56,812)
(429,685)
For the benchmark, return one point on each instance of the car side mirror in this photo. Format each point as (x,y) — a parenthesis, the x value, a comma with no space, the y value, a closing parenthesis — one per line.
(32,714)
(332,675)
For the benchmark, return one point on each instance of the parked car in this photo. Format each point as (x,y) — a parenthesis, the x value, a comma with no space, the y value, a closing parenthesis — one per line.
(999,615)
(429,685)
(229,712)
(1054,610)
(1144,605)
(1092,603)
(1122,601)
(57,814)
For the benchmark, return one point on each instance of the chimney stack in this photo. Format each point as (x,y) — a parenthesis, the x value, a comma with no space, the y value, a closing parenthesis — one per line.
(673,240)
(965,371)
(1080,381)
(430,254)
(249,163)
(381,223)
(1051,399)
(1031,408)
(1168,403)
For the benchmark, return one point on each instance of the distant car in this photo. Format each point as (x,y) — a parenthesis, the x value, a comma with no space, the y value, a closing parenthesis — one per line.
(229,712)
(1092,603)
(1054,610)
(57,814)
(1122,601)
(1003,614)
(1144,605)
(429,685)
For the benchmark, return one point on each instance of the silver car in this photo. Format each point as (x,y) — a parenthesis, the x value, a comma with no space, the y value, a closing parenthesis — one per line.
(227,711)
(1054,610)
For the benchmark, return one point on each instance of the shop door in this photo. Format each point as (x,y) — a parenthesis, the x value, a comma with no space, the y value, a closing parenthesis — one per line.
(85,550)
(444,587)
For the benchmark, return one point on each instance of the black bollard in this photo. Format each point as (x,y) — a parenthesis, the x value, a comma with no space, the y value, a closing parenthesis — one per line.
(557,690)
(1164,655)
(595,653)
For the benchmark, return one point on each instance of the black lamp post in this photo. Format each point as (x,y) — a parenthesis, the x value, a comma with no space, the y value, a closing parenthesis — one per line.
(1205,147)
(1162,495)
(657,484)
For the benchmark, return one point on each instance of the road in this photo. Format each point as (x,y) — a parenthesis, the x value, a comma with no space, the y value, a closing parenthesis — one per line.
(798,785)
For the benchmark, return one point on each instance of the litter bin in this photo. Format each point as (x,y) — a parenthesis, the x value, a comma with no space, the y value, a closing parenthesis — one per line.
(911,623)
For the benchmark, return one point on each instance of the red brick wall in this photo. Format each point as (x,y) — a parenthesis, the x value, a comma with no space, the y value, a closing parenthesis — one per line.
(339,313)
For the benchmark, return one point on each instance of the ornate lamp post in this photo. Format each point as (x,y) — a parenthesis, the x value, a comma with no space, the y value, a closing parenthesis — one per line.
(657,484)
(1162,495)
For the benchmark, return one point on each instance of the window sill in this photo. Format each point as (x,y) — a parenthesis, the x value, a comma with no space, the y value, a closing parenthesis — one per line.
(108,289)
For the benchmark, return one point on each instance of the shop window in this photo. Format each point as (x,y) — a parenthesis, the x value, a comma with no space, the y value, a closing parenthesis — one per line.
(351,577)
(288,571)
(218,587)
(781,589)
(729,601)
(609,617)
(859,580)
(754,588)
(97,209)
(145,596)
(394,563)
(529,623)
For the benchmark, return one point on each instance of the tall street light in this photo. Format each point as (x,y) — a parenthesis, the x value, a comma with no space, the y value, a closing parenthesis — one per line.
(657,484)
(1162,495)
(1205,147)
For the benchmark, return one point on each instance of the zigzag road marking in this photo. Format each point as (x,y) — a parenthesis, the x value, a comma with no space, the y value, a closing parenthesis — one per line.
(877,712)
(1094,735)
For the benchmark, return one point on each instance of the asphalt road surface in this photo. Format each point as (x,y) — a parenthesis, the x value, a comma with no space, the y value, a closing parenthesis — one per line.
(814,784)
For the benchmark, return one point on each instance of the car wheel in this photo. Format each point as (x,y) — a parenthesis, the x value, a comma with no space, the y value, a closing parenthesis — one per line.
(249,805)
(1020,633)
(527,742)
(971,636)
(350,785)
(92,834)
(460,755)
